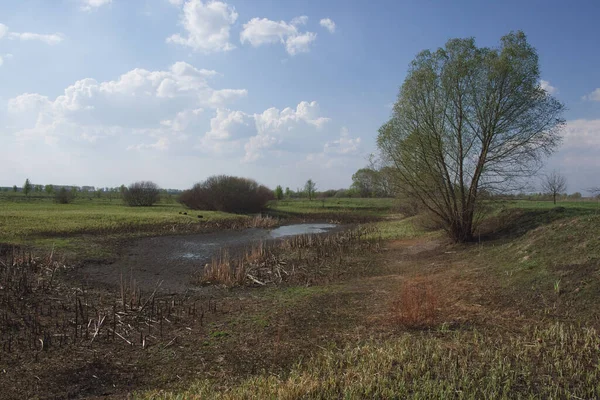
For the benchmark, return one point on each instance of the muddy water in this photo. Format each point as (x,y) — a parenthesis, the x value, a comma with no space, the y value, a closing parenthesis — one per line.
(173,260)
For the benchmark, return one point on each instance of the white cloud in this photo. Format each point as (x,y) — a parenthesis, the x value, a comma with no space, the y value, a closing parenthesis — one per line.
(289,128)
(231,125)
(594,96)
(155,103)
(302,20)
(219,98)
(176,2)
(300,43)
(548,87)
(328,24)
(207,26)
(1,61)
(3,30)
(51,39)
(91,5)
(345,145)
(183,120)
(263,31)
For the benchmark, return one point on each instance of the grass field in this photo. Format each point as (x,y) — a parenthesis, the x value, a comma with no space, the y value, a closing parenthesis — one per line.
(362,206)
(514,315)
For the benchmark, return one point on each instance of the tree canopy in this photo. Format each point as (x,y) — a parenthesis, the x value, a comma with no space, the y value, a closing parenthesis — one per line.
(469,120)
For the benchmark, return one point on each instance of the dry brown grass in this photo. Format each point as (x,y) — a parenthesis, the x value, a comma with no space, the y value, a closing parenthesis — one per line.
(306,259)
(416,304)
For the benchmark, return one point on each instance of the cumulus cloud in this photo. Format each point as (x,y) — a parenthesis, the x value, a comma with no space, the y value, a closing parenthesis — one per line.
(548,87)
(328,24)
(594,96)
(91,5)
(139,102)
(262,31)
(290,129)
(206,25)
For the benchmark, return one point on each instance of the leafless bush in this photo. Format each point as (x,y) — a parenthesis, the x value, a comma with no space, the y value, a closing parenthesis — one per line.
(64,196)
(407,206)
(141,194)
(228,194)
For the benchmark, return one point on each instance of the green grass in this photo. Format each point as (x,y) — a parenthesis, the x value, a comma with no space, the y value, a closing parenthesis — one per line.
(407,228)
(590,205)
(360,206)
(87,228)
(552,362)
(23,220)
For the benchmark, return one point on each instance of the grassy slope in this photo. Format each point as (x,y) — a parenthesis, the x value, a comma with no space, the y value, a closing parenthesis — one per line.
(517,317)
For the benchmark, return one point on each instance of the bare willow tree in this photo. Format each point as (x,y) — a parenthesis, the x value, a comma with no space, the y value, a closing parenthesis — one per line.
(468,121)
(554,184)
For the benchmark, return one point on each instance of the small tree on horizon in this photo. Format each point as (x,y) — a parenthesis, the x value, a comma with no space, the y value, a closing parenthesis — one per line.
(49,189)
(278,192)
(310,187)
(15,188)
(27,187)
(554,184)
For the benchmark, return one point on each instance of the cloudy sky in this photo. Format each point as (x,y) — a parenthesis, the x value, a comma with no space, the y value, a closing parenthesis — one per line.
(104,92)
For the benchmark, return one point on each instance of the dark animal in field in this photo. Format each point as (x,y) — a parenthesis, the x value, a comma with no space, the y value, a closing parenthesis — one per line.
(200,216)
(184,213)
(180,213)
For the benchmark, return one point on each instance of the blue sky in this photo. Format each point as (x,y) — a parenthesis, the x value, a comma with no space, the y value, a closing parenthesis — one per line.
(102,92)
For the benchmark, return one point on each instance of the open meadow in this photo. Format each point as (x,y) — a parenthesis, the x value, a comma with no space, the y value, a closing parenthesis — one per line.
(387,308)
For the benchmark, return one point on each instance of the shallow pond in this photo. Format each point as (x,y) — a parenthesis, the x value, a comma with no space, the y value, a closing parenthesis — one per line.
(174,259)
(300,229)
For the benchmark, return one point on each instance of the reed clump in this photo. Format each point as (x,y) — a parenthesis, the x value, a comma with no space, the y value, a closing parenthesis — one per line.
(303,259)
